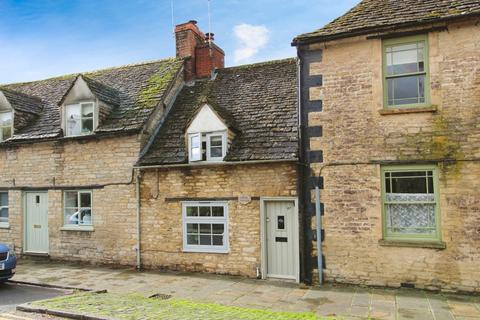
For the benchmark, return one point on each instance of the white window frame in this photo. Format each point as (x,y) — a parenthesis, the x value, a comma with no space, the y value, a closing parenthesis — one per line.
(206,220)
(190,153)
(81,104)
(79,192)
(11,126)
(5,224)
(223,134)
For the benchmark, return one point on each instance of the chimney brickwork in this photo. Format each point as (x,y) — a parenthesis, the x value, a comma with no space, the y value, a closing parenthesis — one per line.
(202,56)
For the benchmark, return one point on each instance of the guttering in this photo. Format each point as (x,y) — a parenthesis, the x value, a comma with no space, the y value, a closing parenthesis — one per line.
(212,164)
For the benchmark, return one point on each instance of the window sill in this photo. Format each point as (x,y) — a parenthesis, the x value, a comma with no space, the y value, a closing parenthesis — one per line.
(413,244)
(189,250)
(4,225)
(81,229)
(390,111)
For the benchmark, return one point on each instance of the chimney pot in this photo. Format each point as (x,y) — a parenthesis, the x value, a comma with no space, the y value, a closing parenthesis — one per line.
(209,36)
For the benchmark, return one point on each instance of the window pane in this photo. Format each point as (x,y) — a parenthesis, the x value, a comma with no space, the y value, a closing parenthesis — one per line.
(205,228)
(73,122)
(217,240)
(406,58)
(195,148)
(217,211)
(87,110)
(205,212)
(71,216)
(406,90)
(192,239)
(411,218)
(71,199)
(85,200)
(217,228)
(205,240)
(85,217)
(4,215)
(192,228)
(87,125)
(216,141)
(216,152)
(3,199)
(6,119)
(192,211)
(6,133)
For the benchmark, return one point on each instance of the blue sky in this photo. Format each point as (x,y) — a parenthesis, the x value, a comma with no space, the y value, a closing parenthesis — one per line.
(45,38)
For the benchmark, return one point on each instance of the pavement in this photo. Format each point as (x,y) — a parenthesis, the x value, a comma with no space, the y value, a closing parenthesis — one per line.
(347,302)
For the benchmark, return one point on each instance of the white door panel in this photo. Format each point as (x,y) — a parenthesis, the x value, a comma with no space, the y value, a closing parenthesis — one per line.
(36,222)
(281,239)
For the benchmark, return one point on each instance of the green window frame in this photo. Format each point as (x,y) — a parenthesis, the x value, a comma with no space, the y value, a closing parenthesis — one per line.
(401,75)
(401,206)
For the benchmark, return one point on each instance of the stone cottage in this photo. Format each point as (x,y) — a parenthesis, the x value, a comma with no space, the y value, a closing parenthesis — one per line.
(178,164)
(390,100)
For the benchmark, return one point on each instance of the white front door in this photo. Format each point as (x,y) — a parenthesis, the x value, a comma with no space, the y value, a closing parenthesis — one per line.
(36,222)
(281,239)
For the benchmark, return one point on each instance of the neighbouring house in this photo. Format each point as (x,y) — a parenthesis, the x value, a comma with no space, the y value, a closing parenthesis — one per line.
(390,121)
(177,164)
(219,179)
(67,150)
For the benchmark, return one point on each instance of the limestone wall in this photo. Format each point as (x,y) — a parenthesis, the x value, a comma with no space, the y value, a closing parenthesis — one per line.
(354,130)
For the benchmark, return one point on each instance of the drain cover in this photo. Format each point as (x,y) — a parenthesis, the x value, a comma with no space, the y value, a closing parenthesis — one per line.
(161,296)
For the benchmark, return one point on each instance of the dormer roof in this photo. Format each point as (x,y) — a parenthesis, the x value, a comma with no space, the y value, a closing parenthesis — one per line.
(223,114)
(101,91)
(22,102)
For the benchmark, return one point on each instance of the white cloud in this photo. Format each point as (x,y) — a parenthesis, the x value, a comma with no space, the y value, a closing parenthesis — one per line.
(250,40)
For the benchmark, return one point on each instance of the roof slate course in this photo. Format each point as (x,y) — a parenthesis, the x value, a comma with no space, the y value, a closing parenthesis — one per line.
(370,15)
(261,100)
(139,87)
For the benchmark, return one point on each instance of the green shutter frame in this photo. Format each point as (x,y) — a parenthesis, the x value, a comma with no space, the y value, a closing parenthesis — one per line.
(404,40)
(412,237)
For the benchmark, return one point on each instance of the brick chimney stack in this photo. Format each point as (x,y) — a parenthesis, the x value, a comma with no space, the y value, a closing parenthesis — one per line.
(202,55)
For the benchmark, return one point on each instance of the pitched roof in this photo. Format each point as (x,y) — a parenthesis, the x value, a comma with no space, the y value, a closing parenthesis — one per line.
(22,102)
(140,88)
(260,98)
(103,92)
(377,15)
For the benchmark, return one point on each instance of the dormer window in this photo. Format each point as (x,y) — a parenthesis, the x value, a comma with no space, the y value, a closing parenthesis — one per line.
(6,125)
(79,118)
(211,146)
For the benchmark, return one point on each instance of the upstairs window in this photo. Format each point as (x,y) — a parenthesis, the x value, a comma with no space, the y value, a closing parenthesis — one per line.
(79,118)
(406,71)
(6,125)
(210,146)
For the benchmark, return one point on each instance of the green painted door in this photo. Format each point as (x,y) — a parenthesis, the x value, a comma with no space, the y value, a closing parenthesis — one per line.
(36,222)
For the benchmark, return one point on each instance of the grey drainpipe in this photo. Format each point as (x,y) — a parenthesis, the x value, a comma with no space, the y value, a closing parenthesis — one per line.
(319,234)
(137,194)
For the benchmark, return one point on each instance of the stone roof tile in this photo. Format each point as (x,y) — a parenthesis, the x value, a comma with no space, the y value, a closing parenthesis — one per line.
(261,99)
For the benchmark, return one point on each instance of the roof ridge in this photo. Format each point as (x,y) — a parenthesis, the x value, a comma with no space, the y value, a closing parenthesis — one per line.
(75,74)
(259,64)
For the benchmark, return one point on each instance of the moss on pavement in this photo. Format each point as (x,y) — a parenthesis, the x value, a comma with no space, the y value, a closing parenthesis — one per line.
(134,306)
